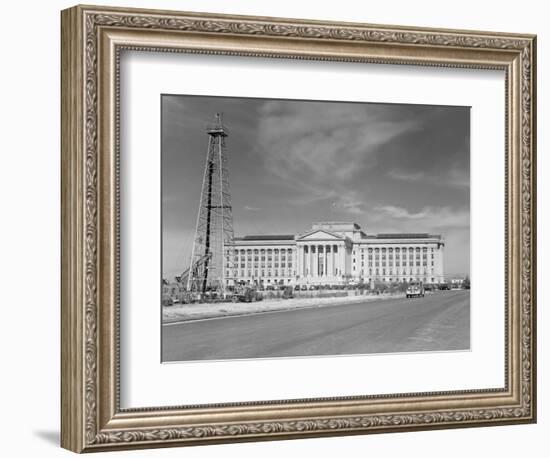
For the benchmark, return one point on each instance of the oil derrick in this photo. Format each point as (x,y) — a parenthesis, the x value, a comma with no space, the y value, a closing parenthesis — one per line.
(211,266)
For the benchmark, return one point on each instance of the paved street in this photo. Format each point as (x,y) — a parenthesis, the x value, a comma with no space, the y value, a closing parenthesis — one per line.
(439,321)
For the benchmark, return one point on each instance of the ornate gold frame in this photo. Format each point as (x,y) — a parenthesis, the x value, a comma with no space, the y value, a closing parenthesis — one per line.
(92,38)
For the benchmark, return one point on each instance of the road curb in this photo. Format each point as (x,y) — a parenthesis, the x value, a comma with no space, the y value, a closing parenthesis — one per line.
(258,312)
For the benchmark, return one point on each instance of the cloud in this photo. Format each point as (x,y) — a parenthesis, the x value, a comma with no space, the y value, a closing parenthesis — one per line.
(402,213)
(318,148)
(458,178)
(452,224)
(428,218)
(454,177)
(407,176)
(349,202)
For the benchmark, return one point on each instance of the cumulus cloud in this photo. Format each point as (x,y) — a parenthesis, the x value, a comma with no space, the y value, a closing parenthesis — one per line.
(318,149)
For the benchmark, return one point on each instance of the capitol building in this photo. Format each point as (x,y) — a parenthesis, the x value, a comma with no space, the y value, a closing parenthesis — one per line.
(335,253)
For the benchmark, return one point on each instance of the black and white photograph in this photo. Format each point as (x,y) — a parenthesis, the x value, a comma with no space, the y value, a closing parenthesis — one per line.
(301,228)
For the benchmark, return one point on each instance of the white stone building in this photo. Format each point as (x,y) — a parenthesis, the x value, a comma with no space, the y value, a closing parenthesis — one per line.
(335,253)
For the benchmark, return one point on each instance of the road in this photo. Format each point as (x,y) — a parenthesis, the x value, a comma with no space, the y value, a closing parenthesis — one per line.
(436,322)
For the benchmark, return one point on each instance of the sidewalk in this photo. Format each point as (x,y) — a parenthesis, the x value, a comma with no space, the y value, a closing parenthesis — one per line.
(190,312)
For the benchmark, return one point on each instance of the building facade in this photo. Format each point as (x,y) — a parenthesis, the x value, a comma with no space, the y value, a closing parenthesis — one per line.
(335,253)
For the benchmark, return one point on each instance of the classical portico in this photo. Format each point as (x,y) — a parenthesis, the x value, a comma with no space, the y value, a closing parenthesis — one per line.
(322,257)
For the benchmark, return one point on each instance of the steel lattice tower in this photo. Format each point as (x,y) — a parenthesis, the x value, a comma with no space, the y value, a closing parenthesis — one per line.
(211,265)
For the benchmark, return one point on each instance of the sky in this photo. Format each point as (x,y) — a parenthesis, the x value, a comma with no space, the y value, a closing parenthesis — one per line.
(387,167)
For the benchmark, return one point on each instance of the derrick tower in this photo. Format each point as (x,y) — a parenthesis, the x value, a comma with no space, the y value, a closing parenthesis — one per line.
(211,265)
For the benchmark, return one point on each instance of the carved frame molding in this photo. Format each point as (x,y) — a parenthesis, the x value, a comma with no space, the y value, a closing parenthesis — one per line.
(92,39)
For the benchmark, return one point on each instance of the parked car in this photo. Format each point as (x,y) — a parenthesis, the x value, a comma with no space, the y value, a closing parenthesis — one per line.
(415,289)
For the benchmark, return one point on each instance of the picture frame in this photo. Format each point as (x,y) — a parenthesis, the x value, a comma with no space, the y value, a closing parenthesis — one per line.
(93,39)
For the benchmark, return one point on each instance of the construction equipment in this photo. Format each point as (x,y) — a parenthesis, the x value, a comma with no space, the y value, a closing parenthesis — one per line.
(194,269)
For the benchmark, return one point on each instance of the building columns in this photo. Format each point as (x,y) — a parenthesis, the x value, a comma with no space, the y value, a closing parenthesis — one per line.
(325,262)
(315,270)
(298,261)
(336,250)
(342,260)
(317,256)
(310,261)
(329,262)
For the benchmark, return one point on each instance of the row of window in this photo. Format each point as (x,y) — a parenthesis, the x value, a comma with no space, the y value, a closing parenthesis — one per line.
(283,251)
(397,256)
(269,251)
(396,249)
(257,265)
(269,259)
(261,273)
(262,260)
(370,259)
(395,272)
(392,280)
(290,272)
(397,263)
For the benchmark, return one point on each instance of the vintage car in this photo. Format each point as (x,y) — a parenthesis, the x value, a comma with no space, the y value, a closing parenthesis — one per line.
(415,289)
